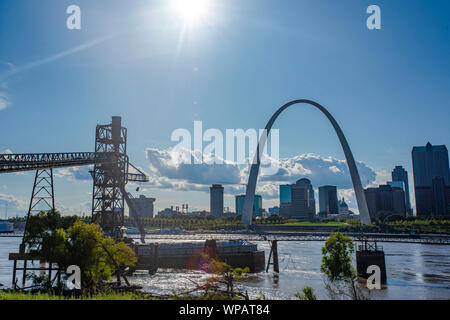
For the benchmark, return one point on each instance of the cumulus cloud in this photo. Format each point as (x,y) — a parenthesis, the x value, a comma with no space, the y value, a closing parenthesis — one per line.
(176,170)
(381,178)
(181,165)
(14,203)
(169,170)
(74,173)
(320,170)
(4,100)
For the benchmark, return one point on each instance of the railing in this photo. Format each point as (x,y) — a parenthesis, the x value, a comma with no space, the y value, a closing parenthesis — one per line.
(280,237)
(369,247)
(290,237)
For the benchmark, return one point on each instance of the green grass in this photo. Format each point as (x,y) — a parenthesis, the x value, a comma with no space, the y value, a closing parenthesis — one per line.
(24,296)
(47,296)
(305,223)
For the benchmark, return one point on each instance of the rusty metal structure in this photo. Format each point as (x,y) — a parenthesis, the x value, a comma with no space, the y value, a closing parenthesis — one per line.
(110,177)
(110,173)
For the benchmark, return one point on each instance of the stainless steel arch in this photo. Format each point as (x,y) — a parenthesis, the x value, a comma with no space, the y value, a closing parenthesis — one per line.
(253,177)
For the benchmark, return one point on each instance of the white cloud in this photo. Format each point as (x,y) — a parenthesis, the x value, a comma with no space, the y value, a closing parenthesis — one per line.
(334,169)
(172,165)
(74,173)
(14,203)
(83,207)
(350,199)
(320,170)
(7,151)
(4,101)
(382,177)
(167,171)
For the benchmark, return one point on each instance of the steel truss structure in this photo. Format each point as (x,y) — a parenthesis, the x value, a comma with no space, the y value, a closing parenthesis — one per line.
(110,178)
(110,174)
(311,236)
(36,161)
(43,194)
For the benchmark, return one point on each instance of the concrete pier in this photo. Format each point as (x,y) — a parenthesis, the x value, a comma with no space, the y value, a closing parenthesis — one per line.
(369,254)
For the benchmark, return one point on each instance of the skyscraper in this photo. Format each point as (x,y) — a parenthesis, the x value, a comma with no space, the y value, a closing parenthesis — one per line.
(385,200)
(431,179)
(400,174)
(257,204)
(285,193)
(216,200)
(328,201)
(303,205)
(439,201)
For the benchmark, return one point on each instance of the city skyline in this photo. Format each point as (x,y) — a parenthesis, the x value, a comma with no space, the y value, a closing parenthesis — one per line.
(223,73)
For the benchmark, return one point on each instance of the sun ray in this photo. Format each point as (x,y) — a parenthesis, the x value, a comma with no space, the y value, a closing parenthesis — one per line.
(191,11)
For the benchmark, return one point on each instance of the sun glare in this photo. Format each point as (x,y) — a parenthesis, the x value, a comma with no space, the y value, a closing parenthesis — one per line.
(191,11)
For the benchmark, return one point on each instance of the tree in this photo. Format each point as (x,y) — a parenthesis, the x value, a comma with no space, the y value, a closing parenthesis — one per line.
(308,294)
(40,227)
(337,266)
(51,238)
(228,274)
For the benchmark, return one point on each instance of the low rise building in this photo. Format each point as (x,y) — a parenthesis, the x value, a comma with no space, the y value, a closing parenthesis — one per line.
(143,206)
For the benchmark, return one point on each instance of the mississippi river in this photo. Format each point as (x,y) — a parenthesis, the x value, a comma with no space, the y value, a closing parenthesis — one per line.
(414,271)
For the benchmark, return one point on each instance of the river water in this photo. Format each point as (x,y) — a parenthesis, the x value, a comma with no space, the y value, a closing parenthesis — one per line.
(414,271)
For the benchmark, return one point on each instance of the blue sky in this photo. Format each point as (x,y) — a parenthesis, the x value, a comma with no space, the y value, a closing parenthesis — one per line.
(388,88)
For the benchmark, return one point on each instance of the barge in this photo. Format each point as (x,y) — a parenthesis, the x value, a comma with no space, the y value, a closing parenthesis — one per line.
(6,227)
(198,255)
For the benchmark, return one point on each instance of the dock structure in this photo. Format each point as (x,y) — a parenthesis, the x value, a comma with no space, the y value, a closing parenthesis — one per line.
(111,173)
(274,253)
(370,254)
(26,258)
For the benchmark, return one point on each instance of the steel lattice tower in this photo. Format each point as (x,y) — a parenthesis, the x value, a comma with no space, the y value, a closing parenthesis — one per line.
(110,175)
(110,178)
(42,196)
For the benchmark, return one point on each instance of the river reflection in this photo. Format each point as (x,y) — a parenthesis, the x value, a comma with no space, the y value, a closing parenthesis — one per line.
(414,271)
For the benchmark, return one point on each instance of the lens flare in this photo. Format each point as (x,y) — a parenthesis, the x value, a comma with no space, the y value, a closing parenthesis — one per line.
(191,11)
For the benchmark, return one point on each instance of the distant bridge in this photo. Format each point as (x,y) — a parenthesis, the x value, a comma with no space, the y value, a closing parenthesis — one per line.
(303,236)
(289,236)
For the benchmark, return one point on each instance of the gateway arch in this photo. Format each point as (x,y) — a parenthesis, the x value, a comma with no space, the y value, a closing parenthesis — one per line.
(253,177)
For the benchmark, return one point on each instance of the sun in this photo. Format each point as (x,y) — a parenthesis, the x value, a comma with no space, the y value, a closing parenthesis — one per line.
(191,11)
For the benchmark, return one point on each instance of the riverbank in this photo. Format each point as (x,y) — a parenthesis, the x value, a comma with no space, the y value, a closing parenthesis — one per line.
(414,271)
(48,296)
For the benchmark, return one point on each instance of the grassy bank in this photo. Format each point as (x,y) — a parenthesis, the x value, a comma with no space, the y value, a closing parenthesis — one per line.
(406,225)
(312,224)
(48,296)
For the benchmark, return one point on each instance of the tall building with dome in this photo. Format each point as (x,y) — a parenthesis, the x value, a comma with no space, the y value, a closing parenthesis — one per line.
(343,207)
